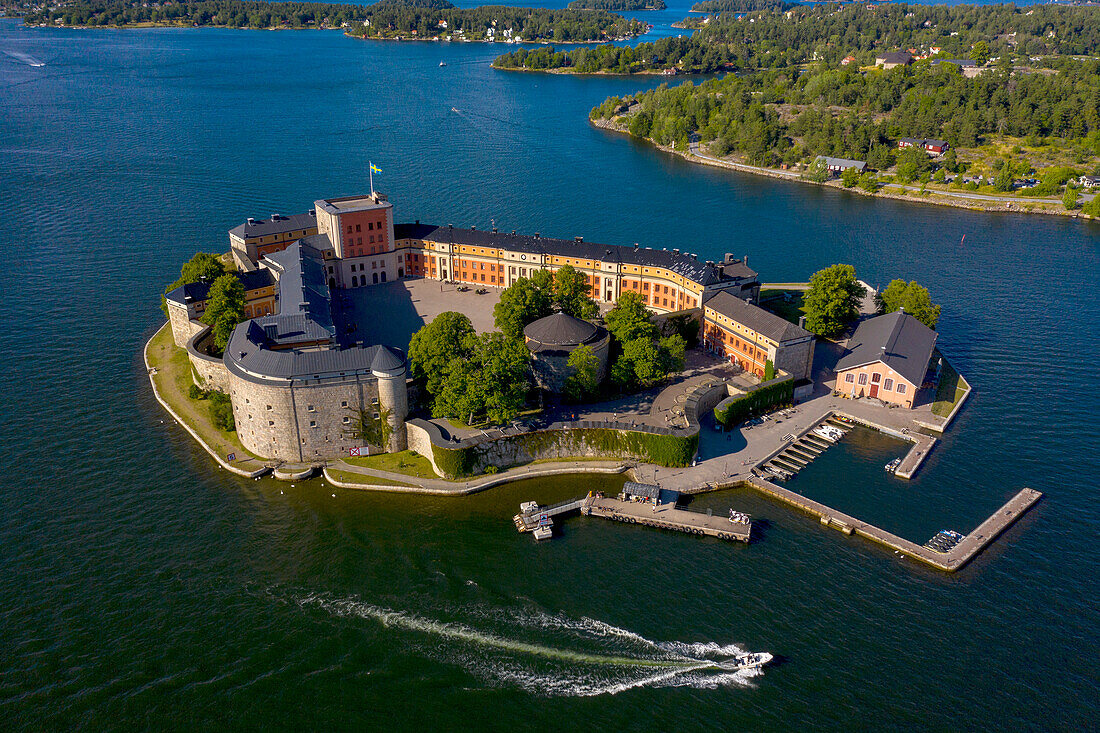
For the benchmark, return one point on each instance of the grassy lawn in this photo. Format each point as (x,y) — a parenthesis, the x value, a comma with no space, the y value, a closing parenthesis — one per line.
(406,462)
(789,308)
(363,480)
(951,389)
(173,379)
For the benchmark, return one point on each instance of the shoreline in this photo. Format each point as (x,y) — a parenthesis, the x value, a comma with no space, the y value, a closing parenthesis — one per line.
(934,197)
(434,39)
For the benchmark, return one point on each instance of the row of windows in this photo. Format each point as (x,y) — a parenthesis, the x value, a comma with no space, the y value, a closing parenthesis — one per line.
(359,227)
(887,384)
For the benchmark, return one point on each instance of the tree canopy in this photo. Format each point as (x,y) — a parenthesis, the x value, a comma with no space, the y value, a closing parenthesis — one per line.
(224,308)
(630,319)
(913,298)
(644,362)
(487,376)
(571,293)
(523,302)
(202,266)
(584,381)
(833,299)
(434,345)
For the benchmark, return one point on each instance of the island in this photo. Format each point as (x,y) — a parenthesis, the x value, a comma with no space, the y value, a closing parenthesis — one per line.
(423,20)
(981,106)
(415,357)
(617,5)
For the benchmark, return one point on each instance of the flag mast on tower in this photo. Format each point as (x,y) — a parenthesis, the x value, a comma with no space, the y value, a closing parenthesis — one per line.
(373,170)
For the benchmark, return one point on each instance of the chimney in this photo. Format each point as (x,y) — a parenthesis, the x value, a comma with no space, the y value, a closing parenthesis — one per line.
(473,228)
(745,260)
(251,220)
(274,217)
(802,322)
(536,235)
(313,212)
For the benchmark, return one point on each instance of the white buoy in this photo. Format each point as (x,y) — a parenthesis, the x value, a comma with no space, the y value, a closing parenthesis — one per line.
(334,496)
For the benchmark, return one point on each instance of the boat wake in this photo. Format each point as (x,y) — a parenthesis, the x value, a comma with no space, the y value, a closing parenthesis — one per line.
(25,58)
(587,657)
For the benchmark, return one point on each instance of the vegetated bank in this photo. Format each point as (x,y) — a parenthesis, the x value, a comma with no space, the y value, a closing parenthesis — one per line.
(617,5)
(387,19)
(1021,124)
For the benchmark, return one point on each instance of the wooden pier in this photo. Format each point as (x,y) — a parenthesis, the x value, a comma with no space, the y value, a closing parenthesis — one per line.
(667,516)
(950,561)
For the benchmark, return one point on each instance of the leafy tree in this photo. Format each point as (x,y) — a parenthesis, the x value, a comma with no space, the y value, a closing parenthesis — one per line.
(201,266)
(1069,198)
(224,308)
(221,411)
(832,300)
(817,171)
(686,326)
(671,350)
(432,348)
(490,381)
(585,377)
(369,429)
(630,319)
(868,182)
(1092,208)
(980,52)
(951,161)
(912,162)
(913,298)
(1005,177)
(850,177)
(523,302)
(571,290)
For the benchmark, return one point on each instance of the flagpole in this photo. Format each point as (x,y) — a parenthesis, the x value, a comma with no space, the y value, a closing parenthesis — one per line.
(370,168)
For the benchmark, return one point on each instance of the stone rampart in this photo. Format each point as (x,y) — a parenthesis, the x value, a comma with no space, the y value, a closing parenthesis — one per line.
(211,370)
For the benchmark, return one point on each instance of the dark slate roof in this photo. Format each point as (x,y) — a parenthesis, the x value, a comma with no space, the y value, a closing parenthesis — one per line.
(248,355)
(898,340)
(303,288)
(756,318)
(197,292)
(560,329)
(912,140)
(969,63)
(681,263)
(387,360)
(276,224)
(649,491)
(895,57)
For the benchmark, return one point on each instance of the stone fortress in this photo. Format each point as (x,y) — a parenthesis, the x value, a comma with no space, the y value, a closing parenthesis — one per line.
(300,380)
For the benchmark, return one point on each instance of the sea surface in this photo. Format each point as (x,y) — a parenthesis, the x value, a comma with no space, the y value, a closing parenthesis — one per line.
(143,587)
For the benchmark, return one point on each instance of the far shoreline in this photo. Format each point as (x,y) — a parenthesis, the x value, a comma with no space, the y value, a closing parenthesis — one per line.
(1005,206)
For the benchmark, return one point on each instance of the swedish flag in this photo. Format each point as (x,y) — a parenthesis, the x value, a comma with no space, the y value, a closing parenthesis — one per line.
(374,168)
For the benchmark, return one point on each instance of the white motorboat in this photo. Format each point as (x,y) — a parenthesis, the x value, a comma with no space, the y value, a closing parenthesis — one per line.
(745,661)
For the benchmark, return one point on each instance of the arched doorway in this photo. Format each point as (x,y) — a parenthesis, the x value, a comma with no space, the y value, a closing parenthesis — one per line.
(332,283)
(355,281)
(383,276)
(375,274)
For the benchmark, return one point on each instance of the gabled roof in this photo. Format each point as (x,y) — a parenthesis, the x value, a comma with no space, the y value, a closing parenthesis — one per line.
(895,57)
(759,320)
(196,292)
(896,339)
(303,289)
(277,224)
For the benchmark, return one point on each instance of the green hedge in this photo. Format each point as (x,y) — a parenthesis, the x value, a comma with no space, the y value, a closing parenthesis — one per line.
(733,410)
(663,450)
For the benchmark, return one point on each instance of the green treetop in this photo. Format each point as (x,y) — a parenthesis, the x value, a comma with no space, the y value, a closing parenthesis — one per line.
(524,301)
(630,319)
(486,376)
(201,266)
(224,308)
(434,345)
(832,300)
(571,293)
(913,298)
(584,381)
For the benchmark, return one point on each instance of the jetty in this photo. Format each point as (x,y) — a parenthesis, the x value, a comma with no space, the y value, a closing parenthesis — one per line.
(646,504)
(950,561)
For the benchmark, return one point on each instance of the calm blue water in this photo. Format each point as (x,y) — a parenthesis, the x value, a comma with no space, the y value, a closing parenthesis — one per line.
(142,587)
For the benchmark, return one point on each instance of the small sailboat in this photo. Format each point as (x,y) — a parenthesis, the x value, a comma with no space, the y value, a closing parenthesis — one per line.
(442,63)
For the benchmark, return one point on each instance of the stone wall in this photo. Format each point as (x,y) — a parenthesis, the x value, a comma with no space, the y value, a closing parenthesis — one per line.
(551,368)
(796,359)
(309,420)
(183,328)
(420,440)
(211,370)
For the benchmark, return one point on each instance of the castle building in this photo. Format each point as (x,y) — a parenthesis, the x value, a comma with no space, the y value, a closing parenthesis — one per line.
(303,389)
(552,339)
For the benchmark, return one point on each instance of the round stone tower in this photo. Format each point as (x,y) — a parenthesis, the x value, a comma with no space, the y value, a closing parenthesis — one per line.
(393,396)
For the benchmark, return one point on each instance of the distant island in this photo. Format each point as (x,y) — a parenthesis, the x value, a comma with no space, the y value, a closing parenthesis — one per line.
(988,106)
(739,6)
(387,19)
(617,5)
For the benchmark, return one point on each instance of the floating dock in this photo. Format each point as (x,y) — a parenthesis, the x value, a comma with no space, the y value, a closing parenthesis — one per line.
(952,560)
